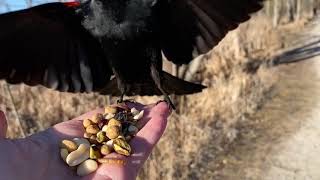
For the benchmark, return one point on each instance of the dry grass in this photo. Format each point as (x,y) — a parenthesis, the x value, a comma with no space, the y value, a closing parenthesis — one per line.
(197,138)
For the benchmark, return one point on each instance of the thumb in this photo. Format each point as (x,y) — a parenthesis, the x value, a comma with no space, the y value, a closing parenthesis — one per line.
(3,125)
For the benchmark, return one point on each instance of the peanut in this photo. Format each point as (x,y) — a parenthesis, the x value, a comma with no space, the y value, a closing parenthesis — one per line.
(110,110)
(113,132)
(87,167)
(86,123)
(64,153)
(114,122)
(69,145)
(78,156)
(109,143)
(105,149)
(93,139)
(92,129)
(109,116)
(79,141)
(96,118)
(87,135)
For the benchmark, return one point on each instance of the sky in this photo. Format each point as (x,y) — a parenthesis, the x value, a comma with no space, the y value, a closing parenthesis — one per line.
(13,5)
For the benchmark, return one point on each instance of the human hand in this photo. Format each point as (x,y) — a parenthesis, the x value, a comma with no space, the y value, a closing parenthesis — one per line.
(38,157)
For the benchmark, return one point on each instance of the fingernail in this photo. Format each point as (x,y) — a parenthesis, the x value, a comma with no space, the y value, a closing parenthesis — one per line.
(164,109)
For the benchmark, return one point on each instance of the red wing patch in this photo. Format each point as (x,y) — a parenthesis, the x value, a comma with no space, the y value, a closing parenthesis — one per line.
(72,4)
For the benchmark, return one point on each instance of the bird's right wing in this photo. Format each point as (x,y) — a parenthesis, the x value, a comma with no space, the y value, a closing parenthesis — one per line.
(193,27)
(47,45)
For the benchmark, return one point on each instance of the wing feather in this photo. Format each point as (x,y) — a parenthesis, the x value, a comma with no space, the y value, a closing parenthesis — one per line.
(47,45)
(190,26)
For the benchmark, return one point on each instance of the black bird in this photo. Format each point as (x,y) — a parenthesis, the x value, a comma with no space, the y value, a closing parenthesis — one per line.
(114,46)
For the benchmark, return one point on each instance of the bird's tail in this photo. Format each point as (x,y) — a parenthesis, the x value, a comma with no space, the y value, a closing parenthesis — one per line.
(174,85)
(170,83)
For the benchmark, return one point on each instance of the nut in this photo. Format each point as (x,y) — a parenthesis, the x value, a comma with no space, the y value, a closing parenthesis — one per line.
(69,145)
(121,137)
(138,116)
(92,129)
(78,156)
(111,161)
(97,117)
(79,141)
(94,152)
(86,123)
(109,116)
(122,147)
(101,136)
(87,167)
(113,132)
(114,122)
(110,110)
(104,134)
(93,139)
(110,143)
(134,111)
(64,153)
(104,128)
(132,130)
(87,135)
(105,149)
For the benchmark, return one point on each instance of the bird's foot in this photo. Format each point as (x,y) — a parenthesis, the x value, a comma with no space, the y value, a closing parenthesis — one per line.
(120,101)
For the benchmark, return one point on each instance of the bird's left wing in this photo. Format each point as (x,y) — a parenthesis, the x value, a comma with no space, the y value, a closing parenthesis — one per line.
(47,45)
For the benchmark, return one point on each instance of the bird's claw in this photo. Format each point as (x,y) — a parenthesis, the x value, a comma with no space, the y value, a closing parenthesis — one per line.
(120,101)
(169,102)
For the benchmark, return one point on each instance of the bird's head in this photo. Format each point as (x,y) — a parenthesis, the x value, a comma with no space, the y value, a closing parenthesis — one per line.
(118,18)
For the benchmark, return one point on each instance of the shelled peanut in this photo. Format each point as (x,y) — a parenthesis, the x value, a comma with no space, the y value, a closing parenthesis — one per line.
(104,134)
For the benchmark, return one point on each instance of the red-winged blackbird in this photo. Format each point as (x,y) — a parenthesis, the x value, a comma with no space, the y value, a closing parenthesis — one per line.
(79,46)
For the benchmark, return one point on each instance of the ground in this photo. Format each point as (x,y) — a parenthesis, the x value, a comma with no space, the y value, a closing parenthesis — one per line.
(284,143)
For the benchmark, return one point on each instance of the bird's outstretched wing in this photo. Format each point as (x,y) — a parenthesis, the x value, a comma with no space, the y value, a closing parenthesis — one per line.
(47,45)
(193,27)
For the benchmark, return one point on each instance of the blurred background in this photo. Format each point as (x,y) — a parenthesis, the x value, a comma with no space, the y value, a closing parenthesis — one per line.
(259,118)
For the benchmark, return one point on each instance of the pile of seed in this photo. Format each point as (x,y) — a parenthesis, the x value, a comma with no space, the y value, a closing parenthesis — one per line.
(104,134)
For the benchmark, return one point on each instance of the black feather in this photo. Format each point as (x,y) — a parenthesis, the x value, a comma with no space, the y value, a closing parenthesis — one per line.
(77,47)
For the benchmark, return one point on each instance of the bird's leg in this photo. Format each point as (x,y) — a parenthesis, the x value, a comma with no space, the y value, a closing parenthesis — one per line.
(155,74)
(122,88)
(120,100)
(121,85)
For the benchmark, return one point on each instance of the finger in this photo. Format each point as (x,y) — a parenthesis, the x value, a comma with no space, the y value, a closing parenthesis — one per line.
(3,125)
(155,127)
(141,145)
(72,128)
(149,135)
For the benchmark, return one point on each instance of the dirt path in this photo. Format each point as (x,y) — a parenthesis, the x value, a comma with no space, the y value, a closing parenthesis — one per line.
(282,141)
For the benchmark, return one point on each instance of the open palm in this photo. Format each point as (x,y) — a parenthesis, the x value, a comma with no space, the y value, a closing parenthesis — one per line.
(37,157)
